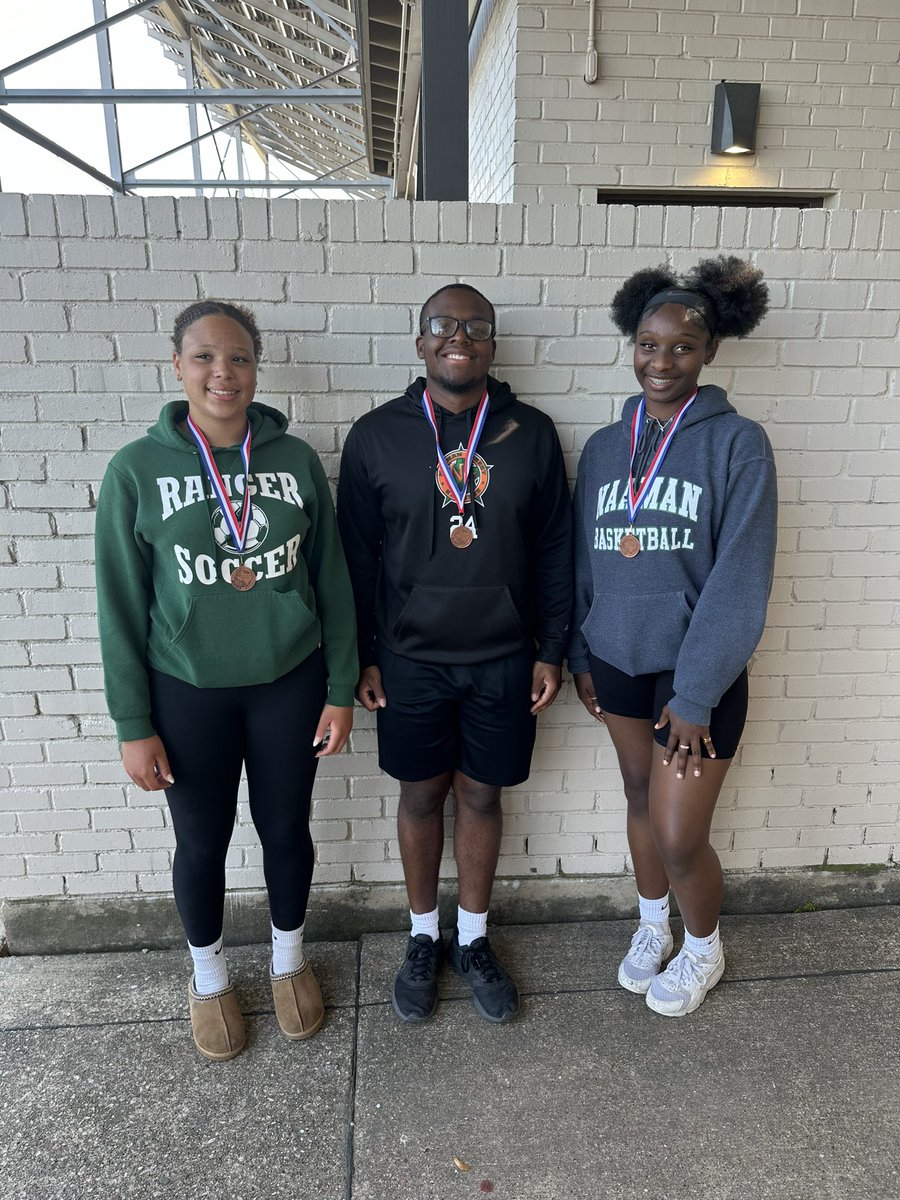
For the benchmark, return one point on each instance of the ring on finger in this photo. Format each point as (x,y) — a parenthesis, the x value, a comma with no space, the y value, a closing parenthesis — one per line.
(680,747)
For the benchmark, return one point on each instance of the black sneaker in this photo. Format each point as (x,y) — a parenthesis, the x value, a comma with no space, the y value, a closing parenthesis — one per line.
(415,988)
(494,993)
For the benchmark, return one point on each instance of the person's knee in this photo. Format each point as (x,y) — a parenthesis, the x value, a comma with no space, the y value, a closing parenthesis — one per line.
(483,799)
(202,852)
(682,851)
(422,799)
(637,792)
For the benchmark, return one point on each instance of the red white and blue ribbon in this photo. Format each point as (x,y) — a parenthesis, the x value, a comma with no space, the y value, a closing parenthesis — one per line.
(457,490)
(237,529)
(637,490)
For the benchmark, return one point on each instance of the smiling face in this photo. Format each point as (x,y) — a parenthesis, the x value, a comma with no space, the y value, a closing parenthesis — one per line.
(670,351)
(217,368)
(456,368)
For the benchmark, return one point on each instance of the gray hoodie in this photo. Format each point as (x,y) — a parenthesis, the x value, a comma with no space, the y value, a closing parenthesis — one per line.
(694,599)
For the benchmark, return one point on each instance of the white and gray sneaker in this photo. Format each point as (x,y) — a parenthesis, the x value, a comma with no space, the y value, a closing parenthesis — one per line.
(683,985)
(650,946)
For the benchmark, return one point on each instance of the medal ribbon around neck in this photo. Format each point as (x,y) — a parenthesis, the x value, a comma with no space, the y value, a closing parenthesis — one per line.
(636,497)
(458,492)
(237,529)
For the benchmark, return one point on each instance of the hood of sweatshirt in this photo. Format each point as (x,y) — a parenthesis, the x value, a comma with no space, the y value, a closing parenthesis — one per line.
(500,395)
(711,402)
(266,423)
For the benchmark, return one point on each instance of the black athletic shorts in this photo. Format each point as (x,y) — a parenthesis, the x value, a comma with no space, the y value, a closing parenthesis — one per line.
(441,717)
(644,697)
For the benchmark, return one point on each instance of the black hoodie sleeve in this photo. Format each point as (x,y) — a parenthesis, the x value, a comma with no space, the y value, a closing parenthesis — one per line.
(551,545)
(361,527)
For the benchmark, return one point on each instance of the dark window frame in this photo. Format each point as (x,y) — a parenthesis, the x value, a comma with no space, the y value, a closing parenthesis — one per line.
(710,198)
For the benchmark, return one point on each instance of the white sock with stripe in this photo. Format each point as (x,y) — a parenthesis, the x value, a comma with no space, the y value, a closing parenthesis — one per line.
(210,968)
(287,950)
(705,947)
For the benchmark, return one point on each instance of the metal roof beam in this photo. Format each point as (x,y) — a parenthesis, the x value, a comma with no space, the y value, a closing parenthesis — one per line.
(54,147)
(77,37)
(110,114)
(307,27)
(230,17)
(192,141)
(301,95)
(348,184)
(275,61)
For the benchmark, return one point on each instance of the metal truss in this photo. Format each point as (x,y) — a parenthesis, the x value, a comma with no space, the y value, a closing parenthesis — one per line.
(280,75)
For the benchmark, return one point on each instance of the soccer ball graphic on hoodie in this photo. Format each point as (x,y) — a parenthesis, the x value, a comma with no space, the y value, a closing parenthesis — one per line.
(257,530)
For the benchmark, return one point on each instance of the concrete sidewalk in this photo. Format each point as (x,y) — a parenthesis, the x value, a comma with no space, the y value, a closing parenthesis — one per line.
(783,1086)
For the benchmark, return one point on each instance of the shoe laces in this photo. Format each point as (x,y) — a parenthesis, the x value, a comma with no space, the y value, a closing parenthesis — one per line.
(420,958)
(646,946)
(682,973)
(481,959)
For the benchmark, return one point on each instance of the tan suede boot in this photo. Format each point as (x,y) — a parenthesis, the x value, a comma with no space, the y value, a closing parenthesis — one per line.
(298,1003)
(217,1024)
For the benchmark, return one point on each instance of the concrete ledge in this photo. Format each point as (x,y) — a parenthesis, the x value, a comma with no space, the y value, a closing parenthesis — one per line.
(109,923)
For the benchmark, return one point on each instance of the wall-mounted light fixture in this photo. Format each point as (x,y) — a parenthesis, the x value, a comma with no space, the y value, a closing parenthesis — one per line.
(735,110)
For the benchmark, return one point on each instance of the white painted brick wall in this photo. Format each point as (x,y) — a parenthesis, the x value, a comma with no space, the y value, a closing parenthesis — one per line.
(83,369)
(828,112)
(492,108)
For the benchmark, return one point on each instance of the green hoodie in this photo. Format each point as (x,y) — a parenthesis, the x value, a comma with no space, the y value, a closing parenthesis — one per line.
(164,563)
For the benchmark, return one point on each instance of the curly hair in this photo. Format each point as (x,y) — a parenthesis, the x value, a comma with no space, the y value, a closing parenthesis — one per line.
(216,308)
(736,298)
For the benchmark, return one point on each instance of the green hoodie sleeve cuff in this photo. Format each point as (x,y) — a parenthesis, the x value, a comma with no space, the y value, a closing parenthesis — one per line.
(341,695)
(133,729)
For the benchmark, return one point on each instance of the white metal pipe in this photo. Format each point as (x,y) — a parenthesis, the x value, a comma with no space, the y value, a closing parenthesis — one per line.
(590,63)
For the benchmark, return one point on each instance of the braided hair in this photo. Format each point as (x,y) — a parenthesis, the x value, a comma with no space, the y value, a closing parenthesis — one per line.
(725,294)
(216,308)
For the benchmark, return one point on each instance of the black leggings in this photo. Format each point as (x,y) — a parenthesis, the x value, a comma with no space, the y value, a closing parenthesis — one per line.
(208,734)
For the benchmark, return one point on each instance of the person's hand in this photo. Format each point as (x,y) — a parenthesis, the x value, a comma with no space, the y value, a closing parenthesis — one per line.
(333,729)
(146,762)
(369,691)
(584,687)
(685,739)
(545,683)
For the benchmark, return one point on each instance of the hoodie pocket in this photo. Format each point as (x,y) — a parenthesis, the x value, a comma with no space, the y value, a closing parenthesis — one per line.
(639,633)
(455,624)
(234,638)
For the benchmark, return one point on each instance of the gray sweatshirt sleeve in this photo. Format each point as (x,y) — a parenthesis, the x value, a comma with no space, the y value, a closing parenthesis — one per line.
(730,614)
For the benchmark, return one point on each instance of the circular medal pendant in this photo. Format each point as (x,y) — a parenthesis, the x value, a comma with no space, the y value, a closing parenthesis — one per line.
(242,578)
(461,537)
(629,545)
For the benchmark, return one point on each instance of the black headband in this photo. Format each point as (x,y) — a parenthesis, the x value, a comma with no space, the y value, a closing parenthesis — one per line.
(693,300)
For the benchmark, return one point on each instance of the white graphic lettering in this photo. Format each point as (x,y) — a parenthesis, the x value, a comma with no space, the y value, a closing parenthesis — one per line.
(176,494)
(184,560)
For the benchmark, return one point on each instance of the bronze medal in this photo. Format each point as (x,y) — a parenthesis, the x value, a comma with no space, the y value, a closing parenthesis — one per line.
(461,537)
(629,545)
(242,578)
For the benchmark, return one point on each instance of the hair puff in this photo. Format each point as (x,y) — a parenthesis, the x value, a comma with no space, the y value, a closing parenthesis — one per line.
(736,290)
(630,300)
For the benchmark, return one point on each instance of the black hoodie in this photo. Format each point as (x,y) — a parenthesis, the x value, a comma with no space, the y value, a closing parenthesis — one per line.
(416,593)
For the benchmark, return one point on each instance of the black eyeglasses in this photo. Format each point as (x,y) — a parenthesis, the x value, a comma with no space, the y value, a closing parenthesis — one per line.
(479,330)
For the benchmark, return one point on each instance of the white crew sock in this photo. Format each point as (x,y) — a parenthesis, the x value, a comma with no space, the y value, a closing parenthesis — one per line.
(471,926)
(655,911)
(705,947)
(425,923)
(287,950)
(210,968)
